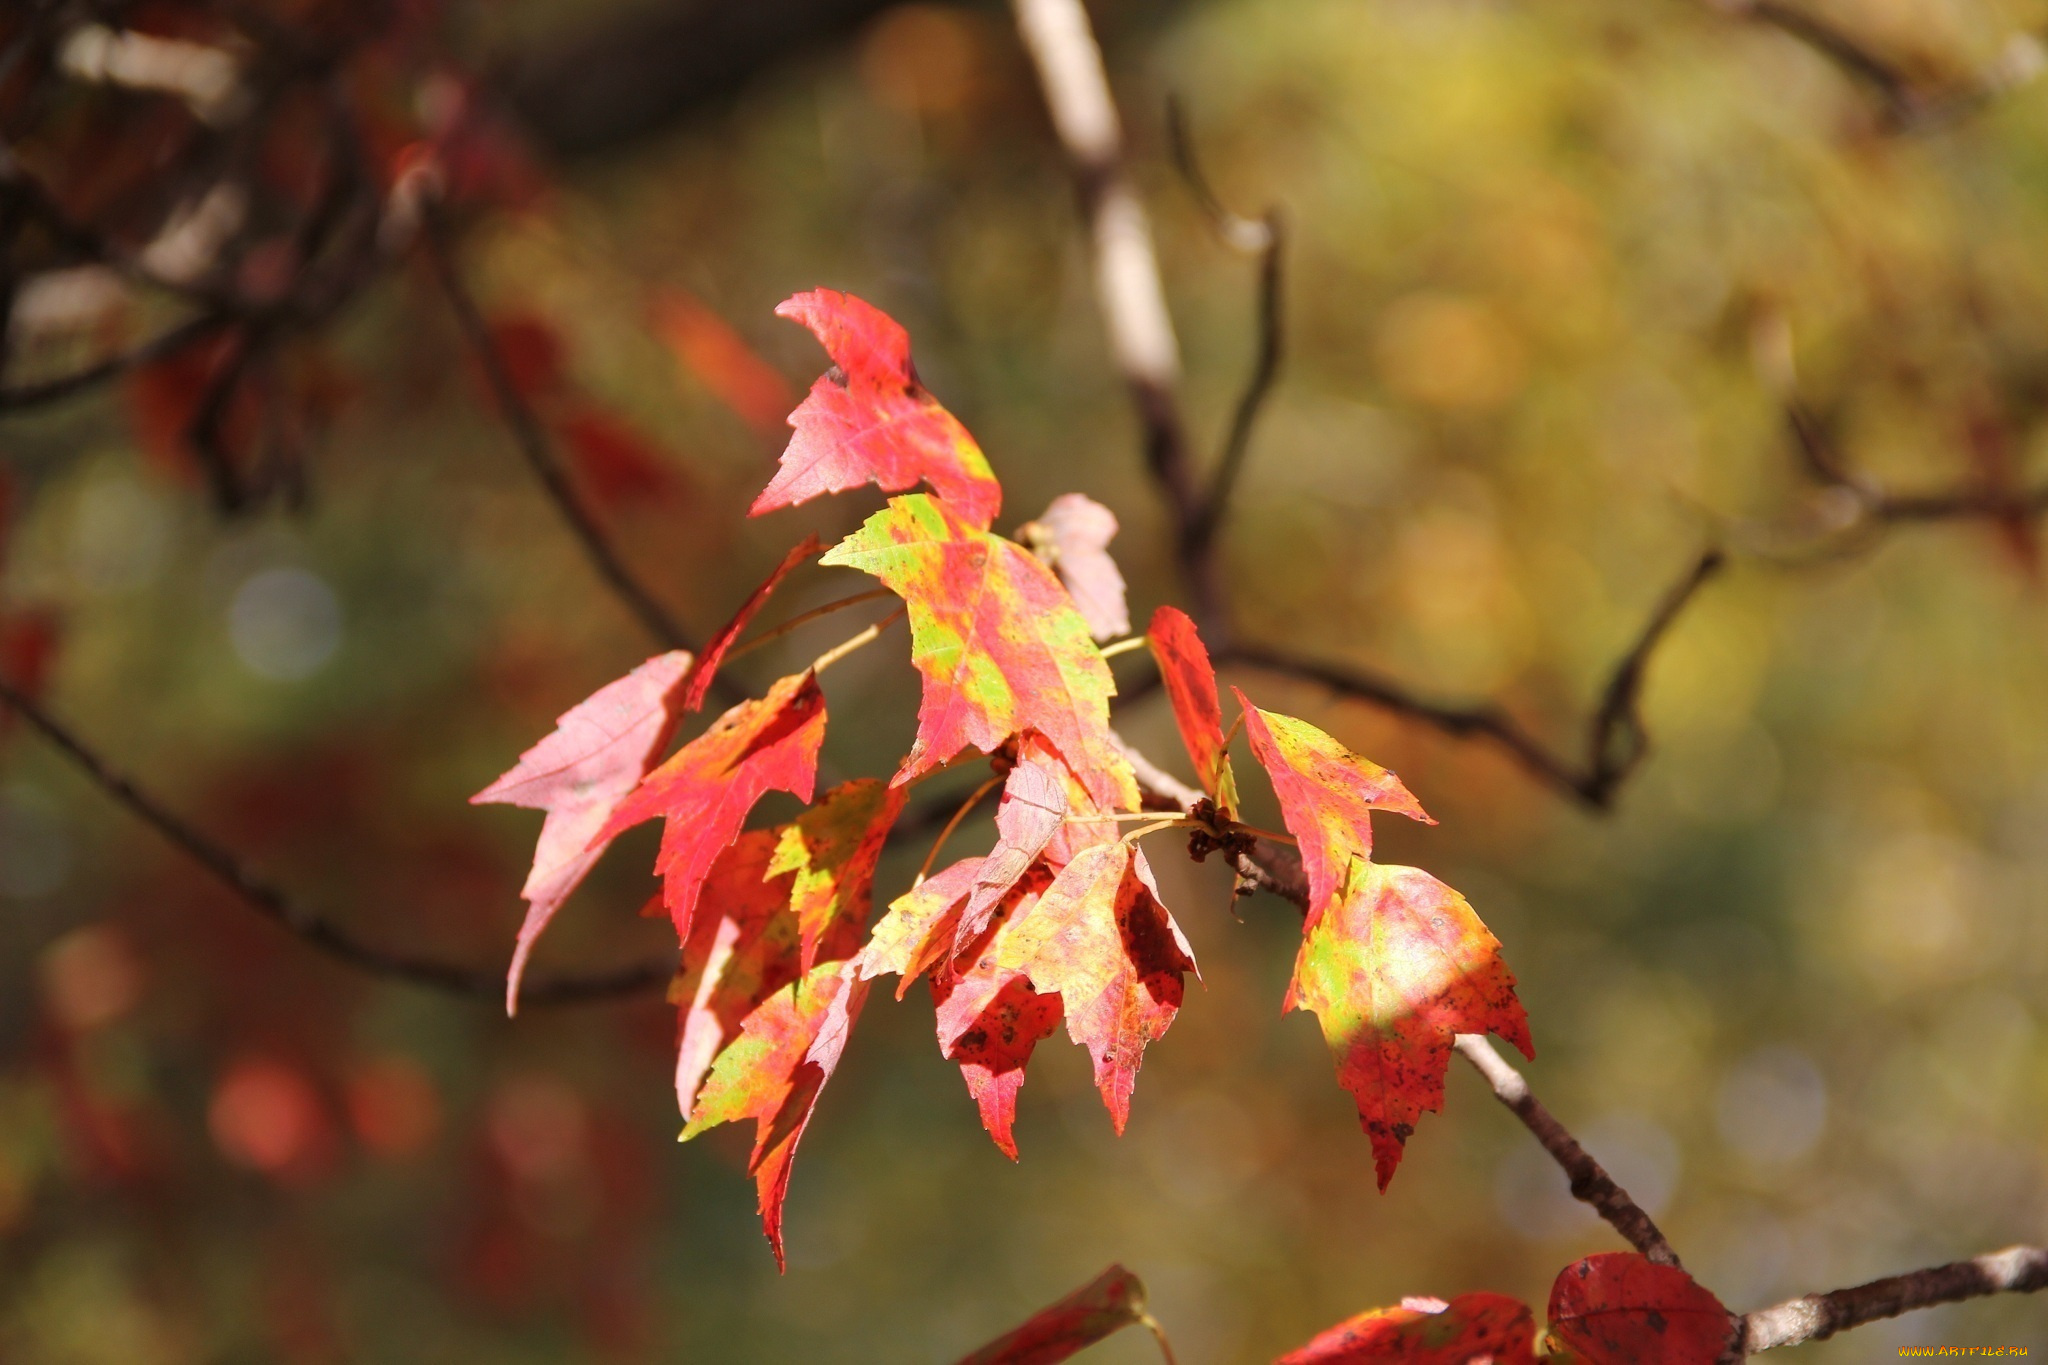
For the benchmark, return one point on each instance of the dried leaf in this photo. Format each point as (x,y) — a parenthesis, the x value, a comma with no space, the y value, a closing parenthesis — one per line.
(1114,1300)
(871,421)
(705,791)
(715,649)
(1327,796)
(786,1051)
(1394,970)
(1001,648)
(1619,1308)
(597,754)
(1468,1329)
(1073,535)
(1190,681)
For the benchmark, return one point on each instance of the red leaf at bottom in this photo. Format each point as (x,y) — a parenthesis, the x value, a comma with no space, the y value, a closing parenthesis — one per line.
(1619,1308)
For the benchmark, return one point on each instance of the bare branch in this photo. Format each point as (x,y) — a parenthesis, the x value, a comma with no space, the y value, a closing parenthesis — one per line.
(1813,1317)
(1063,49)
(22,397)
(1266,239)
(538,449)
(333,939)
(1615,740)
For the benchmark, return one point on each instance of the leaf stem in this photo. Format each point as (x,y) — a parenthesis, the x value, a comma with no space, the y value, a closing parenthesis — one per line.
(804,618)
(1275,835)
(849,645)
(966,806)
(1153,828)
(1123,646)
(1158,1332)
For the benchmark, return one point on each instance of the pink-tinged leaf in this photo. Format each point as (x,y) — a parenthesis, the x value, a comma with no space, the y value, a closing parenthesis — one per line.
(705,791)
(1033,807)
(1001,648)
(871,421)
(741,950)
(1073,536)
(707,347)
(786,1051)
(832,849)
(1470,1328)
(1099,939)
(1190,681)
(715,650)
(599,751)
(1327,796)
(1114,1300)
(1619,1308)
(1394,969)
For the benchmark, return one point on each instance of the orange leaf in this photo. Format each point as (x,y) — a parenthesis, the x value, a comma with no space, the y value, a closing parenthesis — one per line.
(833,848)
(1190,681)
(871,421)
(737,955)
(720,359)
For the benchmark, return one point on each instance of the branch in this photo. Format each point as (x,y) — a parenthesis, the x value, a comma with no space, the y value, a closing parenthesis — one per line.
(1591,1184)
(2015,1270)
(1615,739)
(534,444)
(22,397)
(1266,239)
(1064,52)
(333,939)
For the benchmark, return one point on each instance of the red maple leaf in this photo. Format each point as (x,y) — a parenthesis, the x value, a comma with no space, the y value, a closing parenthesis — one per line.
(1394,969)
(705,791)
(1190,681)
(1471,1327)
(1110,1302)
(715,650)
(738,954)
(1033,807)
(1327,796)
(1619,1308)
(597,754)
(832,849)
(871,421)
(999,643)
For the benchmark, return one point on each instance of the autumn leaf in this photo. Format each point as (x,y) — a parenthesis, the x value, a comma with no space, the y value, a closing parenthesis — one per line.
(737,955)
(871,421)
(1190,681)
(597,754)
(832,849)
(1327,796)
(1100,940)
(1032,809)
(1619,1308)
(999,643)
(715,649)
(1394,970)
(1073,536)
(786,1051)
(1110,1302)
(621,465)
(705,791)
(1471,1327)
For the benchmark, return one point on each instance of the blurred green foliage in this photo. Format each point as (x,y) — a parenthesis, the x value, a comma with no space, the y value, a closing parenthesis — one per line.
(1791,989)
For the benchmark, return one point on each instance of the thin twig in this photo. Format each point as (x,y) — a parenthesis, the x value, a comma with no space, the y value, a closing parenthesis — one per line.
(330,938)
(535,445)
(974,798)
(39,393)
(1591,1184)
(802,619)
(1266,239)
(1615,740)
(858,641)
(1812,1317)
(1128,289)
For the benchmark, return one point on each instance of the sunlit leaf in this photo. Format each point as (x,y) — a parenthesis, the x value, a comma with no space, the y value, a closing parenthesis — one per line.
(1190,681)
(1619,1308)
(1112,1301)
(1073,535)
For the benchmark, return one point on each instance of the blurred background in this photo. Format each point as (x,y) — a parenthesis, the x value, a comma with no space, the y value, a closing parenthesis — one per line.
(1555,273)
